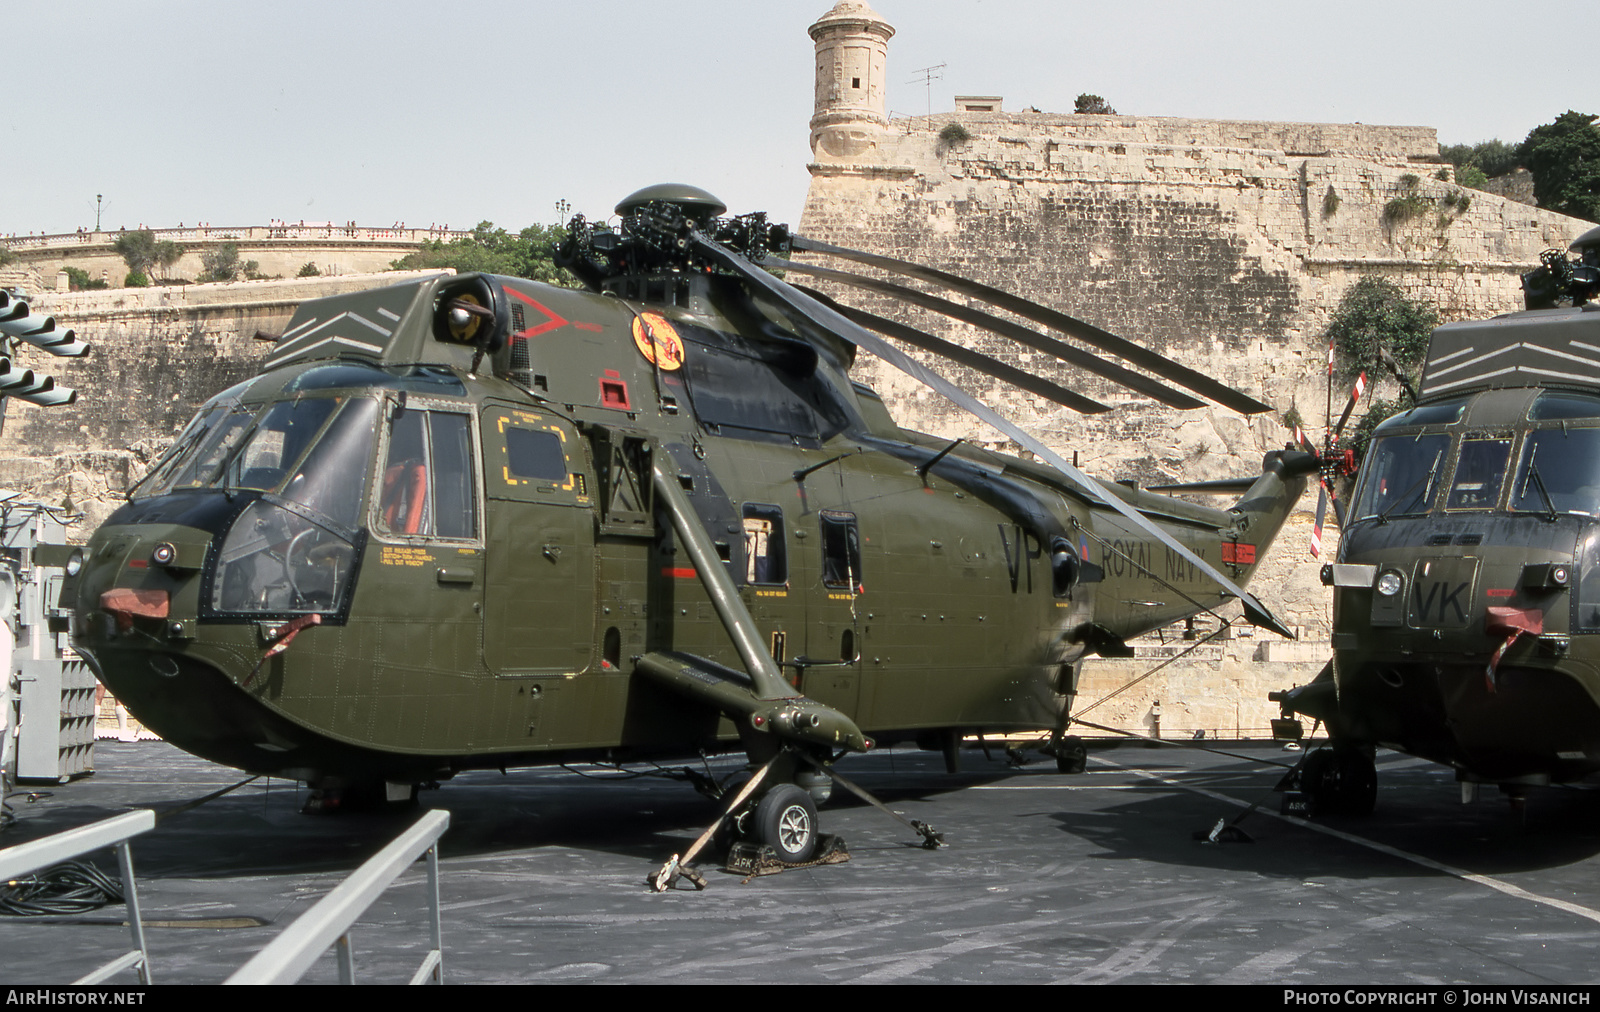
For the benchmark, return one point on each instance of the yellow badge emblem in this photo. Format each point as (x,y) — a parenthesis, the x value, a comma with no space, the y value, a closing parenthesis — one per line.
(658,342)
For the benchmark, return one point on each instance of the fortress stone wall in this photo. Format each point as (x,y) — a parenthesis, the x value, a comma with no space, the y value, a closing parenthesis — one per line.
(280,251)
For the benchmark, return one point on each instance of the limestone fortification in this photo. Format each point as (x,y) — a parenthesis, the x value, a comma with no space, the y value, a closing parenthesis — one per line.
(1225,245)
(280,250)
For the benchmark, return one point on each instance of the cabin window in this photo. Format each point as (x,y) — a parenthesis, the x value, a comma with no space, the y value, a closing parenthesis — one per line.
(532,457)
(841,551)
(535,454)
(766,560)
(1402,475)
(1479,474)
(427,486)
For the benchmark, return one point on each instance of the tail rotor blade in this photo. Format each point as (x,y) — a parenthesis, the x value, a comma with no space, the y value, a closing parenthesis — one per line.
(1350,405)
(1316,529)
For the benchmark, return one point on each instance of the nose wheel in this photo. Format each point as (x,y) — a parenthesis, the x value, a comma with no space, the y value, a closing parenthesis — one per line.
(786,821)
(1340,781)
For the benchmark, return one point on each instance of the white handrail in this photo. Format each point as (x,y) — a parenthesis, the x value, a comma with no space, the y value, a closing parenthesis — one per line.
(27,858)
(287,957)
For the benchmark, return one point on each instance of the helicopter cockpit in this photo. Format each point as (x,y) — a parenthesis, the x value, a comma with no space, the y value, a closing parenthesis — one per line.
(290,460)
(1415,456)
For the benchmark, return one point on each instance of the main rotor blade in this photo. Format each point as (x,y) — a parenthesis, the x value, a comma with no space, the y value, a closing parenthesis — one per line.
(964,356)
(1088,333)
(817,314)
(978,318)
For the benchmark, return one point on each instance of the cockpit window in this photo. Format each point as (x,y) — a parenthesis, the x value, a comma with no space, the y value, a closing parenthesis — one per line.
(323,480)
(1479,474)
(277,442)
(210,449)
(1402,475)
(178,454)
(1439,413)
(1555,404)
(1559,472)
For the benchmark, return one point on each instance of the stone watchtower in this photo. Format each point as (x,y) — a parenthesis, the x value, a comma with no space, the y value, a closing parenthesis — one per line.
(852,53)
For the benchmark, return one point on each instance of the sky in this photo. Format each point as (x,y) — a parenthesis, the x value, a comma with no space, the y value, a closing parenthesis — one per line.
(233,113)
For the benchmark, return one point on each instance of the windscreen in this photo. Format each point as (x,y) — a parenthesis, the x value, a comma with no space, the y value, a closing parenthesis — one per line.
(1402,474)
(1559,472)
(240,446)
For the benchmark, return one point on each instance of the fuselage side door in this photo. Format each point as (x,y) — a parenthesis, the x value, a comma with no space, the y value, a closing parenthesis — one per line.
(422,576)
(832,674)
(539,596)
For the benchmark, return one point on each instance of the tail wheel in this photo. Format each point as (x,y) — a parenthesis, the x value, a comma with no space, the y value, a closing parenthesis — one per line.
(786,821)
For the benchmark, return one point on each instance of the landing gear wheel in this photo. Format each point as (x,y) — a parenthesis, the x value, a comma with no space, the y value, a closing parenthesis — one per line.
(1358,781)
(1340,781)
(1072,756)
(786,821)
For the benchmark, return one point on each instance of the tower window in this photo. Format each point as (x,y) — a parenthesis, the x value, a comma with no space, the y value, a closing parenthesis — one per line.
(855,82)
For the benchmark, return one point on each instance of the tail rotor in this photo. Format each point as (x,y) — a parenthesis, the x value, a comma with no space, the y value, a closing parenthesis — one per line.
(1335,461)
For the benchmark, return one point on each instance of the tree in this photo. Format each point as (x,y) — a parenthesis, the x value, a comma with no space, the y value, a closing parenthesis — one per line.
(221,263)
(1564,157)
(143,252)
(309,270)
(528,254)
(78,280)
(1486,159)
(1375,317)
(1093,105)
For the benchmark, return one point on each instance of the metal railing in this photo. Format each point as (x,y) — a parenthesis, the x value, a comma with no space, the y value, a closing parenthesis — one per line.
(248,234)
(287,957)
(26,858)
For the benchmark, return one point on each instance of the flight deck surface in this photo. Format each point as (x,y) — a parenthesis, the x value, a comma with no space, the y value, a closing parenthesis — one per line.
(1047,878)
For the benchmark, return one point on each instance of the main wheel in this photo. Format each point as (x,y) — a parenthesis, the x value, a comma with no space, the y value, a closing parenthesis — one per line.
(786,821)
(1072,756)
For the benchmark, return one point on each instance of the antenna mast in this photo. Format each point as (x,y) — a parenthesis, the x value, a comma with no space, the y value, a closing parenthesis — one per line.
(926,76)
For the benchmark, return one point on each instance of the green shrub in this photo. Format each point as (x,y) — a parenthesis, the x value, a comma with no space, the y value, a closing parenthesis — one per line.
(954,133)
(78,280)
(136,279)
(1375,314)
(309,271)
